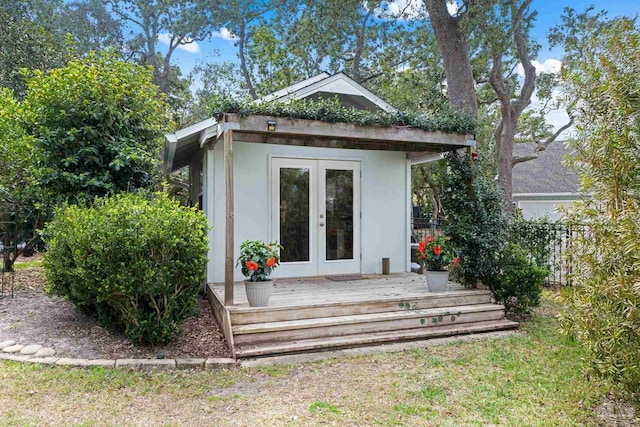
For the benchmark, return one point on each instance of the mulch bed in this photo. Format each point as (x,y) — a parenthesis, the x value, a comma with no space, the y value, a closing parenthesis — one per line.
(32,317)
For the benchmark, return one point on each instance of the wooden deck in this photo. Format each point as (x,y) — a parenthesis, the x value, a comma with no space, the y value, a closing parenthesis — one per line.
(316,314)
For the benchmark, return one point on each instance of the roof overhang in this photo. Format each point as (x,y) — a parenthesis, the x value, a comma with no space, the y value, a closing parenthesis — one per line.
(419,145)
(182,145)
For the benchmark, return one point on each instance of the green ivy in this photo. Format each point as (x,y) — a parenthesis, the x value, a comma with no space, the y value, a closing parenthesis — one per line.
(330,110)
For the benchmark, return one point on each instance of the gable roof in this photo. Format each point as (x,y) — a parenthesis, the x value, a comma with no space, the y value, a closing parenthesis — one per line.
(546,174)
(184,143)
(324,85)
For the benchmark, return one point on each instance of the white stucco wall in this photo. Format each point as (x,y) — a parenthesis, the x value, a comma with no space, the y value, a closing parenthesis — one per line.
(384,201)
(541,208)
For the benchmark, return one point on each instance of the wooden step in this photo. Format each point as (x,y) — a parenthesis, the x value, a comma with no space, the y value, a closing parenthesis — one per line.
(364,323)
(242,315)
(320,344)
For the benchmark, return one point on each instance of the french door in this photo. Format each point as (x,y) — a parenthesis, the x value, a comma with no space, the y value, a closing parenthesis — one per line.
(315,216)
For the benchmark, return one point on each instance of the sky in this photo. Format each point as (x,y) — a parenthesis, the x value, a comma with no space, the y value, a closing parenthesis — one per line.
(221,46)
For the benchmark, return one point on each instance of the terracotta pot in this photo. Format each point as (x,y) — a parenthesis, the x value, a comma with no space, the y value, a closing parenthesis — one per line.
(437,280)
(258,293)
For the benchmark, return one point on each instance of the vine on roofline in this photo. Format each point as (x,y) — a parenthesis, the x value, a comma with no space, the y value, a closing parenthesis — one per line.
(330,110)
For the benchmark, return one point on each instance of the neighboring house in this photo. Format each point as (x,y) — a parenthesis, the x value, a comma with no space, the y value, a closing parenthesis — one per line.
(336,195)
(542,185)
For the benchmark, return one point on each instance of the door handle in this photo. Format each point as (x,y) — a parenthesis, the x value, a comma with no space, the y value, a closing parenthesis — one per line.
(322,224)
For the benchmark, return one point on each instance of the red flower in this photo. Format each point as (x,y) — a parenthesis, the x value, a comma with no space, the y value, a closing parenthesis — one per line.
(271,262)
(437,250)
(421,247)
(252,266)
(456,261)
(429,239)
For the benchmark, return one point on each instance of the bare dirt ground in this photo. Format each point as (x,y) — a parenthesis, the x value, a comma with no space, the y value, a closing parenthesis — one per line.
(32,317)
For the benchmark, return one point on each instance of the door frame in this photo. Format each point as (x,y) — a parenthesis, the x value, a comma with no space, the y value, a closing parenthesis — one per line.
(315,248)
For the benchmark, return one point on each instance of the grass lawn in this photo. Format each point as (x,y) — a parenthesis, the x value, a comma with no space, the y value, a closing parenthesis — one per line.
(531,379)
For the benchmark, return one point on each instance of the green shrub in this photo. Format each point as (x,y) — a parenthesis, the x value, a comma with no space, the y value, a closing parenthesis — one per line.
(518,282)
(603,309)
(97,126)
(134,262)
(475,222)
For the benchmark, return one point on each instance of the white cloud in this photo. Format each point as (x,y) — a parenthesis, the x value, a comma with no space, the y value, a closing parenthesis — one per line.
(548,66)
(188,46)
(409,9)
(224,33)
(453,7)
(403,9)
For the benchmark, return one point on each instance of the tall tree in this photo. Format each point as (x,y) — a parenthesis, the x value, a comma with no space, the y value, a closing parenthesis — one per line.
(453,43)
(178,23)
(499,31)
(281,42)
(27,40)
(91,25)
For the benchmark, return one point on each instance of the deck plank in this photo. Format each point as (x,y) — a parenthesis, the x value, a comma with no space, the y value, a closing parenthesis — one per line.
(319,344)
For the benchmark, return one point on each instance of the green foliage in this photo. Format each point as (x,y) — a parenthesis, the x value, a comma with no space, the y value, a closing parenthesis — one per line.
(16,148)
(135,262)
(536,236)
(258,260)
(19,194)
(26,41)
(475,221)
(518,282)
(330,110)
(98,126)
(603,311)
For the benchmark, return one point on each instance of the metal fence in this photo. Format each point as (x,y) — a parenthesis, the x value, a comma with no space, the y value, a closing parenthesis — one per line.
(546,242)
(423,227)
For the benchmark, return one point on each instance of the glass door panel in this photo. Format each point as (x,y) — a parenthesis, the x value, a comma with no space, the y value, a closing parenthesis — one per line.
(339,214)
(294,222)
(339,217)
(294,214)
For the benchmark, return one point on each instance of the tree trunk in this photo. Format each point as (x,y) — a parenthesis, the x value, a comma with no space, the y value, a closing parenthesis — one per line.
(454,47)
(242,38)
(505,157)
(510,108)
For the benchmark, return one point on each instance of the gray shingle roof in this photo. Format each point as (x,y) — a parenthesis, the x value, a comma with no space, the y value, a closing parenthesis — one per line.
(546,174)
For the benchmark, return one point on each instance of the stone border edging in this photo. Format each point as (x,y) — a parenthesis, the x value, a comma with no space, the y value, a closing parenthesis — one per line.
(130,364)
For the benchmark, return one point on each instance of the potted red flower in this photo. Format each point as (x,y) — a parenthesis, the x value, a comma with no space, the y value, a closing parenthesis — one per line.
(436,256)
(257,261)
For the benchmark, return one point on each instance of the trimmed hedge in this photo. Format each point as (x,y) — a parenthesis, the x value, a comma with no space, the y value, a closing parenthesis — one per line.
(134,261)
(518,282)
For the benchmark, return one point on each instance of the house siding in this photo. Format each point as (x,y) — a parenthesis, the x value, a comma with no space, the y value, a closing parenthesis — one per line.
(383,201)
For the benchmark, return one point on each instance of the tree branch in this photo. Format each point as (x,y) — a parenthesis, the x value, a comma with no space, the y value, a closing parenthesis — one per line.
(553,137)
(496,81)
(522,159)
(529,84)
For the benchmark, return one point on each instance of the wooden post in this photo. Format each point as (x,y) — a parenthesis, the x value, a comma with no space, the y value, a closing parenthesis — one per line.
(229,244)
(386,266)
